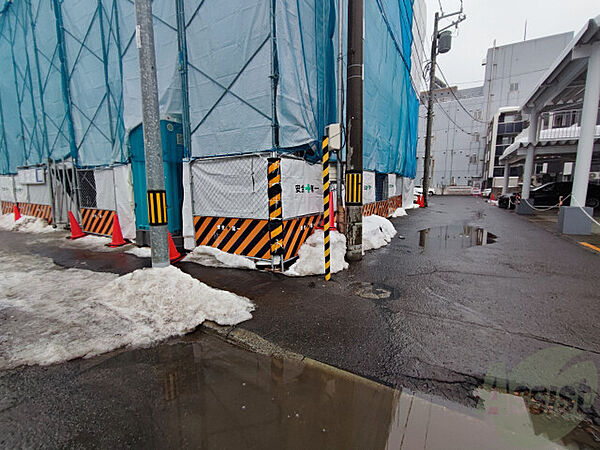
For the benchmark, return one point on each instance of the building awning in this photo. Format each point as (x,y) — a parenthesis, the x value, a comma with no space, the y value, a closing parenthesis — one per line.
(564,83)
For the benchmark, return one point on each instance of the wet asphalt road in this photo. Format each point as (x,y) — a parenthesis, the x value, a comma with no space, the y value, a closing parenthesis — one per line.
(451,313)
(446,313)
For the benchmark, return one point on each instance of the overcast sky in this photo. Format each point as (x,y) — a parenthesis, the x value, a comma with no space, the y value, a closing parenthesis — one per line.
(503,20)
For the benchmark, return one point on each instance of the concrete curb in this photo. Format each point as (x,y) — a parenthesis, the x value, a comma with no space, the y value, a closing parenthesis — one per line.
(253,342)
(248,340)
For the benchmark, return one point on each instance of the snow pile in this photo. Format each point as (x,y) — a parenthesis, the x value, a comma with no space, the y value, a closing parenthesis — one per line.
(92,242)
(377,232)
(27,224)
(140,252)
(400,212)
(311,259)
(50,314)
(413,206)
(213,257)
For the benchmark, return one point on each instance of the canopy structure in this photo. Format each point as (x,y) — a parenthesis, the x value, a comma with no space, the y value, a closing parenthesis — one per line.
(244,76)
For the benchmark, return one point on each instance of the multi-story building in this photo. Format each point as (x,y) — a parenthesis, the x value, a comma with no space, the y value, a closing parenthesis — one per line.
(470,132)
(458,137)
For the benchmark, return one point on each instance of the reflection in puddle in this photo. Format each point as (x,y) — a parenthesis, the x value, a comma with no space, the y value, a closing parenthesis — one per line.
(454,237)
(209,394)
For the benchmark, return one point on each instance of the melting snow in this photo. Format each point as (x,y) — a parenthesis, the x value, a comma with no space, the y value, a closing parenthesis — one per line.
(26,224)
(400,212)
(377,232)
(50,314)
(213,257)
(311,260)
(140,252)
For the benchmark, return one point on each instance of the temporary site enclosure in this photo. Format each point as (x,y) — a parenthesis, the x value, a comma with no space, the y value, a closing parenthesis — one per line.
(239,81)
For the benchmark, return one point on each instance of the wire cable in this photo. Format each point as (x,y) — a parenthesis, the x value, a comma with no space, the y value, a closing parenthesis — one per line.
(453,121)
(456,98)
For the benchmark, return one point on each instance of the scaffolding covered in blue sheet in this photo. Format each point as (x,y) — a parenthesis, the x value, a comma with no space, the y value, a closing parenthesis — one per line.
(260,76)
(391,106)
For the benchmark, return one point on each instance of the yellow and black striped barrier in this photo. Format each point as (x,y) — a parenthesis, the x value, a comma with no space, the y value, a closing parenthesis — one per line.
(275,207)
(353,188)
(326,241)
(157,208)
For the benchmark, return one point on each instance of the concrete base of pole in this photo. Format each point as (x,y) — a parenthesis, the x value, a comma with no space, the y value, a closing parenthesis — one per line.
(354,234)
(572,220)
(525,208)
(160,246)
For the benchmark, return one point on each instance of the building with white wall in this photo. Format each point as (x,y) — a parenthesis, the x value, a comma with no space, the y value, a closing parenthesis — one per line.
(463,150)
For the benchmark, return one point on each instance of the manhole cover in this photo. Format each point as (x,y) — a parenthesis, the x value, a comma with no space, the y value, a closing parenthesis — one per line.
(371,291)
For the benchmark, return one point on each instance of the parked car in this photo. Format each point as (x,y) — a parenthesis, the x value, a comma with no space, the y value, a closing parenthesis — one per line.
(419,190)
(549,194)
(486,193)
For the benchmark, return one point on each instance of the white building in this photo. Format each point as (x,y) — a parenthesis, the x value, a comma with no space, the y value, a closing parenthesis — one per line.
(466,120)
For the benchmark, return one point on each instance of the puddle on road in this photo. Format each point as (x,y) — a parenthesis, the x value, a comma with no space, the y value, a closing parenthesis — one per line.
(209,394)
(454,237)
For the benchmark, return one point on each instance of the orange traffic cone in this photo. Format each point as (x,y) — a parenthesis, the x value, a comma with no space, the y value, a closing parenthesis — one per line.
(492,197)
(16,212)
(422,202)
(76,231)
(174,254)
(117,236)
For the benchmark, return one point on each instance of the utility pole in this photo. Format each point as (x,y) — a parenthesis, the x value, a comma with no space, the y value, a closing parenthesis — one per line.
(354,130)
(434,52)
(155,176)
(340,110)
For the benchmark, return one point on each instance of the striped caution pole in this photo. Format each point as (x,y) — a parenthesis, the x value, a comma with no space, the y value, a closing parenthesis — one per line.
(326,199)
(157,208)
(353,188)
(275,210)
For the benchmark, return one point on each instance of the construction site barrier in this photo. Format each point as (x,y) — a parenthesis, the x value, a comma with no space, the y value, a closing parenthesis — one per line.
(43,212)
(383,208)
(97,221)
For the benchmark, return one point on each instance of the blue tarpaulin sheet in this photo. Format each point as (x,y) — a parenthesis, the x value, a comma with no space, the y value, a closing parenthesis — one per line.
(262,77)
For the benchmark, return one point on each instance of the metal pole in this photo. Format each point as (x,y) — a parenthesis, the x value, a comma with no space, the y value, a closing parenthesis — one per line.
(64,76)
(50,183)
(183,70)
(155,177)
(340,101)
(354,127)
(427,163)
(274,81)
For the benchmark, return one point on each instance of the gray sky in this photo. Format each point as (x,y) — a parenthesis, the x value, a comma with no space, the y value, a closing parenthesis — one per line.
(503,20)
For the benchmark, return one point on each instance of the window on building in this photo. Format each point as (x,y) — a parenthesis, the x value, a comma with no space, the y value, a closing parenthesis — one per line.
(514,87)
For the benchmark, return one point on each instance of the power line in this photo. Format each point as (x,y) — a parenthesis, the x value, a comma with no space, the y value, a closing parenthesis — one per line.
(456,98)
(453,121)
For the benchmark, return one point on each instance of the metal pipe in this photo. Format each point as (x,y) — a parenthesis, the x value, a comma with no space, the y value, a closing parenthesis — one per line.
(64,77)
(50,182)
(183,72)
(274,80)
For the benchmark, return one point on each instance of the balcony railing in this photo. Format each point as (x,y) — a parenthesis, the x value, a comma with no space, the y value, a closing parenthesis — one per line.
(562,125)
